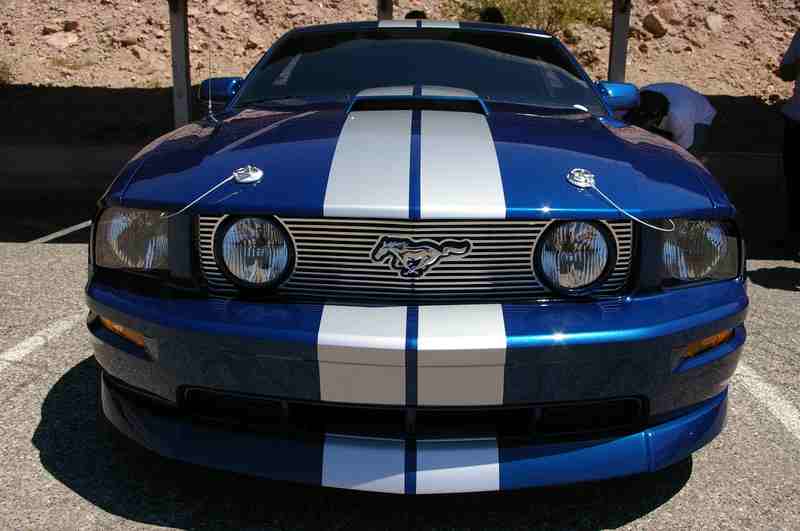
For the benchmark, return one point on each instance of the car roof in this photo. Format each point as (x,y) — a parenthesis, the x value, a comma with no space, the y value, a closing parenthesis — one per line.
(374,24)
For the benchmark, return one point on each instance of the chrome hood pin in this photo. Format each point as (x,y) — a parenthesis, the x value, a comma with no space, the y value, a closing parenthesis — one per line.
(247,175)
(583,179)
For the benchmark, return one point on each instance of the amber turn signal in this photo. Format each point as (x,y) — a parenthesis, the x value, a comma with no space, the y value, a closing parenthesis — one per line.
(131,335)
(707,343)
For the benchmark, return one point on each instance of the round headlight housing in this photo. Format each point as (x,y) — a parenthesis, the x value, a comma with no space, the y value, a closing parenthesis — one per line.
(574,256)
(696,250)
(132,239)
(254,252)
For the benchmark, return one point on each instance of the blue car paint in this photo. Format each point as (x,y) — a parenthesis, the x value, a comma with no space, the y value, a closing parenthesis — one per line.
(219,89)
(295,157)
(633,166)
(619,96)
(555,351)
(301,459)
(287,459)
(692,313)
(638,171)
(645,451)
(558,351)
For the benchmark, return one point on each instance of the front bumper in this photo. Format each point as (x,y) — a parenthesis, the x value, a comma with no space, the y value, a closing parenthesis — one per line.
(414,466)
(419,357)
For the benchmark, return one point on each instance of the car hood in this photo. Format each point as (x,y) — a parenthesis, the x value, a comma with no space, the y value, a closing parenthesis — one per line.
(510,163)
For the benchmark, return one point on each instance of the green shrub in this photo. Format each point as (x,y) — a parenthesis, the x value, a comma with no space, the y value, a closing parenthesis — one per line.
(553,16)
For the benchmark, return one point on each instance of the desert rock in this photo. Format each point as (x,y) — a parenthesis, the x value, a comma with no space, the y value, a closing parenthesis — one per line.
(61,40)
(655,25)
(714,22)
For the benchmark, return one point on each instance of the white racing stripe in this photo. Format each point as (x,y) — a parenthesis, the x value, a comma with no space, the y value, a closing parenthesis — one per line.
(392,90)
(359,463)
(461,355)
(445,24)
(390,24)
(450,92)
(62,232)
(457,466)
(369,175)
(459,173)
(38,340)
(783,410)
(361,352)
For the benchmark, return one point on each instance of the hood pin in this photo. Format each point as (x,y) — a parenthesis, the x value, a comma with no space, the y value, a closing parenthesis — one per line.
(583,179)
(248,175)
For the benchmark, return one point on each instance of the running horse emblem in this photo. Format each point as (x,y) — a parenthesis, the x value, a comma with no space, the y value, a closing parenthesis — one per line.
(412,259)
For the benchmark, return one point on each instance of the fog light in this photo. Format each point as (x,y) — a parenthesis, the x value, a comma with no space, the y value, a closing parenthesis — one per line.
(701,345)
(123,331)
(255,252)
(573,255)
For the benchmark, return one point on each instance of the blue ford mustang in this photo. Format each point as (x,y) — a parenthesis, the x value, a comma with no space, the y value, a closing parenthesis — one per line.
(417,257)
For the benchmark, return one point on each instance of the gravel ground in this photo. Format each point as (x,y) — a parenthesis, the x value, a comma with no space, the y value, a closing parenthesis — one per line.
(59,473)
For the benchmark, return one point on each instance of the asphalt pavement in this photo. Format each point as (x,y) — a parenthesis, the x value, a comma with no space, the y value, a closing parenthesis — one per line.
(58,472)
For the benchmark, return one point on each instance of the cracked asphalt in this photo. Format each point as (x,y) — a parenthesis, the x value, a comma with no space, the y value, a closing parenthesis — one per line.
(58,472)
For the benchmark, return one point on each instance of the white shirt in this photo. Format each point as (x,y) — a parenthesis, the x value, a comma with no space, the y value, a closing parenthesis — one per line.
(792,107)
(687,108)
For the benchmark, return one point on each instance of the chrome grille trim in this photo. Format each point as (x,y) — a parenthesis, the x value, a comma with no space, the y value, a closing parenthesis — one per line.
(333,260)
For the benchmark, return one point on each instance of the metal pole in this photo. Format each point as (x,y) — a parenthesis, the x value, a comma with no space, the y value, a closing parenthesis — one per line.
(384,9)
(181,76)
(620,27)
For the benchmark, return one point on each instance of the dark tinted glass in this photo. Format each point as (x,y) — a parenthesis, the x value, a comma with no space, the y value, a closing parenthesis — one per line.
(496,66)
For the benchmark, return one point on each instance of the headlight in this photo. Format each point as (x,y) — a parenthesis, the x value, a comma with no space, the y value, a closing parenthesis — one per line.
(129,238)
(255,252)
(701,250)
(572,256)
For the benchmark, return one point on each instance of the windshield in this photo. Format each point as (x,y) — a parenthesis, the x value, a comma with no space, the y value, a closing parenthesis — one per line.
(496,66)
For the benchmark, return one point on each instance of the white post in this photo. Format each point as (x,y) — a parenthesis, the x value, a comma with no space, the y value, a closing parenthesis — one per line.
(620,27)
(384,9)
(181,76)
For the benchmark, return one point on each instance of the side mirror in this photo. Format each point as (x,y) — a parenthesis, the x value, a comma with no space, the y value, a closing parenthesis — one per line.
(620,96)
(219,90)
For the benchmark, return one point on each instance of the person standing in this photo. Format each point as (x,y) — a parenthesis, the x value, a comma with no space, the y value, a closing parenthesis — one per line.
(790,71)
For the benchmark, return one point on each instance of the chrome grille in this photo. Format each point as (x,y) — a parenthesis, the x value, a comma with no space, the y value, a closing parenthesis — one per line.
(333,260)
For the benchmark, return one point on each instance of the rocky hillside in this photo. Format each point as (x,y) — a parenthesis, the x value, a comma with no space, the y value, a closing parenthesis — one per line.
(727,47)
(125,43)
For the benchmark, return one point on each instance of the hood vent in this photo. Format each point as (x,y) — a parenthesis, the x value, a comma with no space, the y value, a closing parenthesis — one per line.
(418,103)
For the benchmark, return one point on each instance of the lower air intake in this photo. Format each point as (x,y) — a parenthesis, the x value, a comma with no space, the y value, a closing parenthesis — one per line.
(542,421)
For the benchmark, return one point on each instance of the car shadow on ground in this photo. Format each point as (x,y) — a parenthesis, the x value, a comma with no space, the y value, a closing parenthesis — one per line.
(145,488)
(783,278)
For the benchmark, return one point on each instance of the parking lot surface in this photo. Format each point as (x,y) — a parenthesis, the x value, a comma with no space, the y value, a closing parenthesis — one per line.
(59,473)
